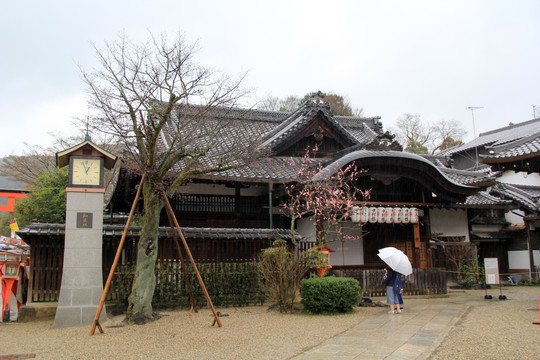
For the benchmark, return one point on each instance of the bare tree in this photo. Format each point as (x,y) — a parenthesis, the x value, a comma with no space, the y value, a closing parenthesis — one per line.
(160,105)
(420,138)
(38,160)
(269,103)
(290,103)
(26,168)
(339,105)
(447,134)
(413,133)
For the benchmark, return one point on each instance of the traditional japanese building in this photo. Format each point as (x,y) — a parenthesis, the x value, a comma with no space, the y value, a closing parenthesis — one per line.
(251,197)
(422,205)
(509,233)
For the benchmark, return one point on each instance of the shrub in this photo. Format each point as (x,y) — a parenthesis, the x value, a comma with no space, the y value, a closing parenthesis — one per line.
(329,294)
(228,284)
(281,272)
(471,275)
(531,282)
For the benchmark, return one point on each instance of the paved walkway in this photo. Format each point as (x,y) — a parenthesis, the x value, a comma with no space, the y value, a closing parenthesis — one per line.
(413,334)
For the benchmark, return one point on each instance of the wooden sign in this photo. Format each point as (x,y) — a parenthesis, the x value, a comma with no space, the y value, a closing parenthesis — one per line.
(84,220)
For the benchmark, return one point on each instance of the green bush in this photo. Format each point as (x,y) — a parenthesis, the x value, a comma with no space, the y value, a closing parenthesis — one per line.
(228,284)
(471,275)
(329,295)
(531,282)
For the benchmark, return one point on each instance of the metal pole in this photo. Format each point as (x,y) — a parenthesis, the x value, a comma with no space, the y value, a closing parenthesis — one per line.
(472,108)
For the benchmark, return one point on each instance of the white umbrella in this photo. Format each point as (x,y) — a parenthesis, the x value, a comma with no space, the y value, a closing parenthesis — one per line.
(396,259)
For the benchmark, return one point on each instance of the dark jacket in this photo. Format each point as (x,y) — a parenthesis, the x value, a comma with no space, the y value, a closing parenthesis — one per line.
(390,277)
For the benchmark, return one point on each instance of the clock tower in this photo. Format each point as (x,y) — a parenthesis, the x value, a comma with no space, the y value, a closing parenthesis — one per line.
(82,278)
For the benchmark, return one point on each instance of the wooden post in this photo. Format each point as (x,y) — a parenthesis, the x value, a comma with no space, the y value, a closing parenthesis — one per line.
(170,210)
(184,269)
(115,262)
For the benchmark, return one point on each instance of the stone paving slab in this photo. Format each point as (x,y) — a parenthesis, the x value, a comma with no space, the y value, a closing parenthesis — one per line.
(413,334)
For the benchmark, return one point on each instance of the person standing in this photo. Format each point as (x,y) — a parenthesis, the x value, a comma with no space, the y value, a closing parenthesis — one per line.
(392,289)
(400,281)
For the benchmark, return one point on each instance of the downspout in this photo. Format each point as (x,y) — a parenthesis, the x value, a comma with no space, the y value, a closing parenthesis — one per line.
(270,205)
(529,248)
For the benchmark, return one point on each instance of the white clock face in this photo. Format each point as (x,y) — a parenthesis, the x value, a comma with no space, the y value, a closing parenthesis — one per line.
(86,171)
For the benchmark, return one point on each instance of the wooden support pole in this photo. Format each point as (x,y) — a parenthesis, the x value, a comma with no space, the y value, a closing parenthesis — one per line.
(18,356)
(201,282)
(184,268)
(115,262)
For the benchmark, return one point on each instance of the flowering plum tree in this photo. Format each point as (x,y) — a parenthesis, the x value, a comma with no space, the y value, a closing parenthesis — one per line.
(328,201)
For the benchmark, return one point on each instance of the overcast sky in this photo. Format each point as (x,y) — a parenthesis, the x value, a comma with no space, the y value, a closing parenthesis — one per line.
(433,58)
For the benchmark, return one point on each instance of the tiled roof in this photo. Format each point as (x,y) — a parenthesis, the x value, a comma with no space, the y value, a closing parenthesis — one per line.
(282,169)
(188,232)
(300,118)
(252,128)
(484,198)
(500,136)
(526,196)
(468,177)
(416,166)
(522,148)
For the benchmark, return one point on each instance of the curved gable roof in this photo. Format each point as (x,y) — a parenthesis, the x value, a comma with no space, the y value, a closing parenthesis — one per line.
(406,165)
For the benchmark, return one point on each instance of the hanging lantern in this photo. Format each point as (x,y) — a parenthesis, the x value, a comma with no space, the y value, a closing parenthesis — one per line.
(405,213)
(381,215)
(397,215)
(364,214)
(389,215)
(413,215)
(355,214)
(372,215)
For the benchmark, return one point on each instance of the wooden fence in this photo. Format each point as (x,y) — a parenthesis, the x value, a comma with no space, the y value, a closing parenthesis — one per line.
(420,282)
(47,264)
(47,257)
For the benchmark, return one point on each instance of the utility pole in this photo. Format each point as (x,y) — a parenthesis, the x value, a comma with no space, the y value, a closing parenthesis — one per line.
(534,111)
(471,109)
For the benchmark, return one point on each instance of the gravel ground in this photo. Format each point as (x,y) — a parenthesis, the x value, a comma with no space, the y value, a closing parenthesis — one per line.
(496,329)
(490,329)
(247,333)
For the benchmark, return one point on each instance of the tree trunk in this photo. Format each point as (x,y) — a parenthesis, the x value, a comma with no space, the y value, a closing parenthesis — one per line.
(140,300)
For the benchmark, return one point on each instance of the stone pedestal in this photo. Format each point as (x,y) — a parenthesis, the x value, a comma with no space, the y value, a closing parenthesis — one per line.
(82,278)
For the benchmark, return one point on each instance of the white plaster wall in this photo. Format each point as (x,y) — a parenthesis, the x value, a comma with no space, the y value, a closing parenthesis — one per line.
(352,251)
(520,178)
(513,218)
(449,222)
(519,259)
